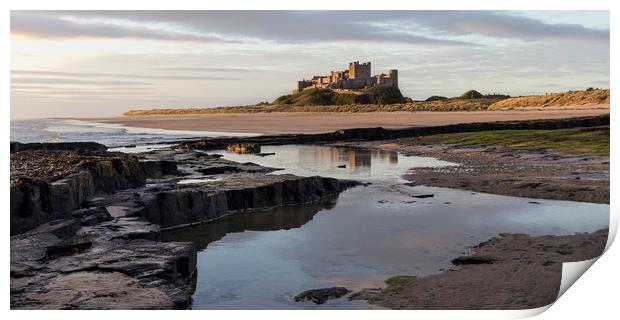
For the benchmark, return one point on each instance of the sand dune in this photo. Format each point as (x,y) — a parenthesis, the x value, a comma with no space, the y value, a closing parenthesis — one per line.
(567,100)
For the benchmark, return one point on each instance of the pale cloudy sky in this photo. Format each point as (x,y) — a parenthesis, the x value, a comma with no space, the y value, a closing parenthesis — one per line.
(102,63)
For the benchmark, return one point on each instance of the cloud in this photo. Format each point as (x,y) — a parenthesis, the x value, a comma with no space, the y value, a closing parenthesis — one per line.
(439,28)
(48,25)
(410,27)
(112,75)
(213,69)
(72,81)
(52,88)
(234,26)
(504,25)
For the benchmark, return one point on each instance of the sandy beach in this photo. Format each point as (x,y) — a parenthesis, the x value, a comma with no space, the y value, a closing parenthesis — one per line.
(303,122)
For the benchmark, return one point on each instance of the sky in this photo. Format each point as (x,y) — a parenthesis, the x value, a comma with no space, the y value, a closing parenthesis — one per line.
(103,63)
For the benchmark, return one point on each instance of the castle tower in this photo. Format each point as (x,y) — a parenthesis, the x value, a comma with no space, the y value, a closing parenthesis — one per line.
(393,73)
(359,71)
(352,69)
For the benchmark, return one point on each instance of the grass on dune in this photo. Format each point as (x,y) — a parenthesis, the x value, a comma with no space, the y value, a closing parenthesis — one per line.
(594,141)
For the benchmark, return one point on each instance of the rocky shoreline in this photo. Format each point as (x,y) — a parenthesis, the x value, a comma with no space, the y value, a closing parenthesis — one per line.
(97,217)
(86,224)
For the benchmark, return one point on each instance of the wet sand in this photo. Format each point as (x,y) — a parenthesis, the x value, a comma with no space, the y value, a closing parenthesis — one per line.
(521,272)
(309,122)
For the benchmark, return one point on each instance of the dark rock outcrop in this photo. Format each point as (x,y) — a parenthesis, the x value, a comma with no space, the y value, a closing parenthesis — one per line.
(92,260)
(320,296)
(85,146)
(39,199)
(219,169)
(158,168)
(185,206)
(423,196)
(92,216)
(472,260)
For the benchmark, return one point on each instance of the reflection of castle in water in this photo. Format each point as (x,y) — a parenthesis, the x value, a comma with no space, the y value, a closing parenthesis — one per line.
(356,160)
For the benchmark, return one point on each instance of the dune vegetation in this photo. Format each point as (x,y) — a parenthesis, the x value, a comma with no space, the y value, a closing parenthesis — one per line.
(391,100)
(565,99)
(322,97)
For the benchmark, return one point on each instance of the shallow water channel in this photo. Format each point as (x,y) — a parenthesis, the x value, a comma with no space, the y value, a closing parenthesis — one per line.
(369,233)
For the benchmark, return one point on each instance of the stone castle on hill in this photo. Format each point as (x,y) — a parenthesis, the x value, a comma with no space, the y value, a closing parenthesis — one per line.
(358,76)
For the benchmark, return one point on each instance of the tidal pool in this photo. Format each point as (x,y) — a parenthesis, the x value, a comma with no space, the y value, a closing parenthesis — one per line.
(359,164)
(260,260)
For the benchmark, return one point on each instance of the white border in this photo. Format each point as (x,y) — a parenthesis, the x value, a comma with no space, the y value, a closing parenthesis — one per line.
(595,294)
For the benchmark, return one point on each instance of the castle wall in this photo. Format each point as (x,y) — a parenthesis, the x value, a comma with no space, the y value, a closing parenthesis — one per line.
(355,83)
(386,80)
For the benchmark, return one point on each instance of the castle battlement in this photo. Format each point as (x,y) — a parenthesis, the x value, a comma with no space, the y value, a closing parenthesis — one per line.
(358,76)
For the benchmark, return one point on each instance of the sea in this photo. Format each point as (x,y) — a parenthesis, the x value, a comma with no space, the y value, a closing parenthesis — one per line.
(114,136)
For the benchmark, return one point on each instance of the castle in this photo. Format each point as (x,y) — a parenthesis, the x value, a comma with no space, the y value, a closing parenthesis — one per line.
(357,77)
